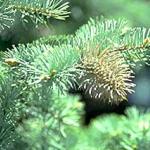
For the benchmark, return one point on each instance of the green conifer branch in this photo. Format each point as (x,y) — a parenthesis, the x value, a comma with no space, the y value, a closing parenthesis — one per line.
(45,63)
(38,11)
(116,35)
(99,58)
(58,65)
(61,64)
(49,9)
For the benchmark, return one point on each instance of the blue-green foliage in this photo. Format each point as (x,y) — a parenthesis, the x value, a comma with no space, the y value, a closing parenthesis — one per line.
(36,113)
(36,11)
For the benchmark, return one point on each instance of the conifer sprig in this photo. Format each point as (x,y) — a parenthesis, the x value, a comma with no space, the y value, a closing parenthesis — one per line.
(37,11)
(116,35)
(55,65)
